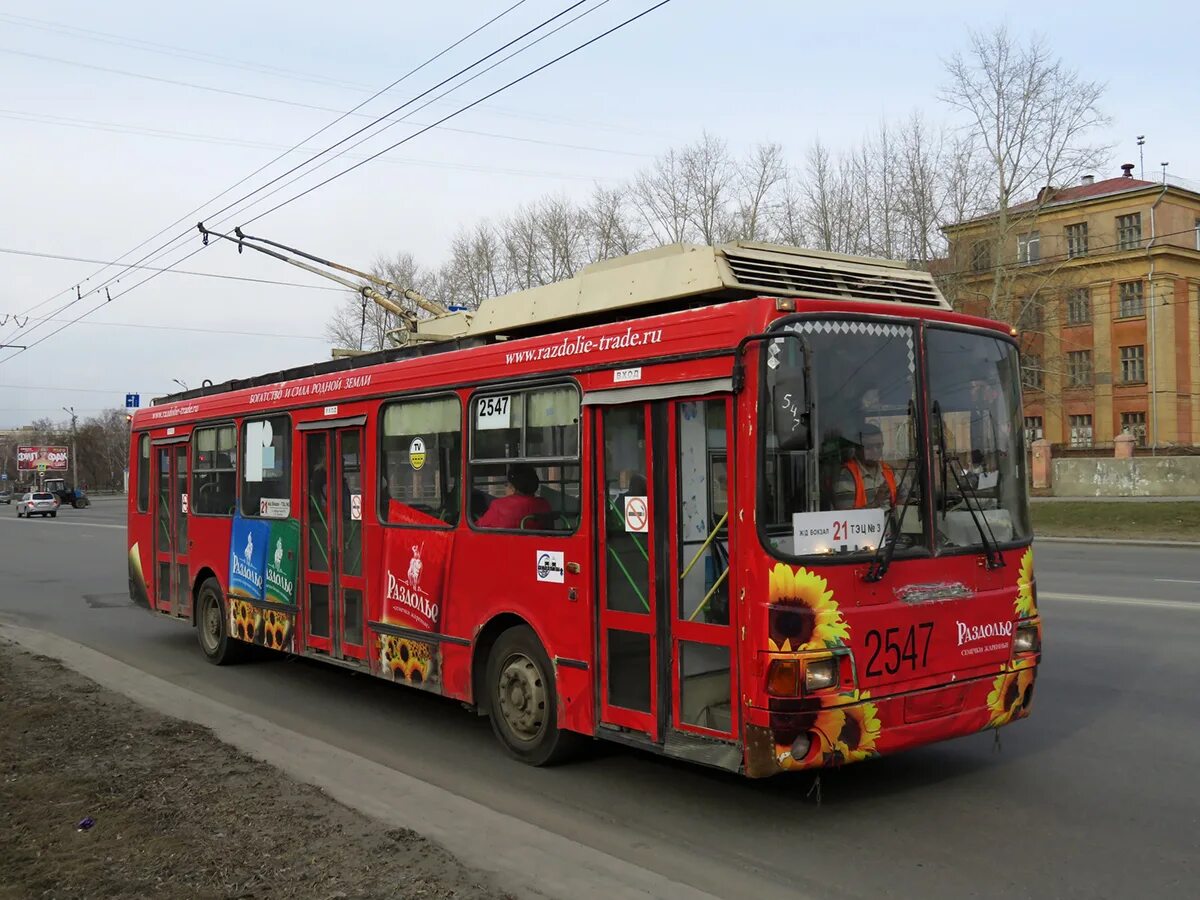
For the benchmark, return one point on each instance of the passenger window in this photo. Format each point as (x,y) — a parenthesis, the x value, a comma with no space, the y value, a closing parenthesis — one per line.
(143,473)
(214,471)
(525,470)
(421,455)
(266,468)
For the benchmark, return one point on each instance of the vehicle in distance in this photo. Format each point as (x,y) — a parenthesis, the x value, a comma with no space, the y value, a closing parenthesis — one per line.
(5,495)
(70,495)
(37,503)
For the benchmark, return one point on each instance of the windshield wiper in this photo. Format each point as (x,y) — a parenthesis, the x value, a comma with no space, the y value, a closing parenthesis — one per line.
(994,558)
(882,559)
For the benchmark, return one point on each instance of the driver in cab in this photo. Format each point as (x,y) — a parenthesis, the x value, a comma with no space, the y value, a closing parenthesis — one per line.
(868,482)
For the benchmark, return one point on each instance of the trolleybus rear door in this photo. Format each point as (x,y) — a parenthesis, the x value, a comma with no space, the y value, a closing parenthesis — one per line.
(333,564)
(172,588)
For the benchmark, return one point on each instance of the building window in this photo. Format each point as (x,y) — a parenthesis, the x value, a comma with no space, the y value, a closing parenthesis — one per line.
(1029,314)
(143,473)
(1133,364)
(266,468)
(981,256)
(214,471)
(1129,231)
(1079,368)
(1081,431)
(1079,307)
(1033,429)
(1029,247)
(1031,371)
(1135,424)
(420,463)
(1198,234)
(525,459)
(1077,240)
(1133,302)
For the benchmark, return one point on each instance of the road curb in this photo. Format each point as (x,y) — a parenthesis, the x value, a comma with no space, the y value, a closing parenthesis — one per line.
(525,858)
(1170,545)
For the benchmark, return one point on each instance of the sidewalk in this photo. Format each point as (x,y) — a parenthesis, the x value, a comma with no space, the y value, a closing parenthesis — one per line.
(104,798)
(1114,499)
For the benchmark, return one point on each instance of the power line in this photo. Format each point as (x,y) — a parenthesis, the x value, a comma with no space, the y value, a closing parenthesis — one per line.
(76,390)
(84,259)
(123,128)
(359,164)
(462,109)
(184,328)
(261,168)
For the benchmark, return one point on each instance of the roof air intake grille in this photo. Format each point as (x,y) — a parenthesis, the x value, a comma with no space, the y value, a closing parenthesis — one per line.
(904,286)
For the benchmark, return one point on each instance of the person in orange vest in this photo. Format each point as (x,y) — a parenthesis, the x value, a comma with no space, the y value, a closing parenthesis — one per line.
(867,483)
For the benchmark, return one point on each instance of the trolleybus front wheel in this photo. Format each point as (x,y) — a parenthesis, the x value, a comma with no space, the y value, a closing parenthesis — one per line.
(522,701)
(212,627)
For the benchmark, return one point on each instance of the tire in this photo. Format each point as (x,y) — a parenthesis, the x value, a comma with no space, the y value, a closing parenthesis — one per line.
(54,515)
(522,700)
(212,627)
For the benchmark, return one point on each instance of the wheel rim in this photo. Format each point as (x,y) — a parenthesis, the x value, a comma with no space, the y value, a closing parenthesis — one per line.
(521,692)
(210,623)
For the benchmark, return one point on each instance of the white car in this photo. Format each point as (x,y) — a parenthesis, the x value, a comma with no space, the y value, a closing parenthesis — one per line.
(39,503)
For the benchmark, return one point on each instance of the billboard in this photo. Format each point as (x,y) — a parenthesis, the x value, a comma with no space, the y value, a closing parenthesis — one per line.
(41,459)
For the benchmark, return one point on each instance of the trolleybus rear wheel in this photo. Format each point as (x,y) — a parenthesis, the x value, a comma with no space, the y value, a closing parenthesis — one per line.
(212,627)
(523,702)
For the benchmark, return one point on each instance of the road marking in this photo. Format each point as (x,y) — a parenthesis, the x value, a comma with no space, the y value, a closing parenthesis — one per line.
(76,524)
(1123,601)
(1178,580)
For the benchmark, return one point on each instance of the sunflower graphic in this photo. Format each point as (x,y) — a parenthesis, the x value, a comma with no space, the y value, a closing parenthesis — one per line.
(840,735)
(1024,604)
(1010,697)
(860,731)
(802,614)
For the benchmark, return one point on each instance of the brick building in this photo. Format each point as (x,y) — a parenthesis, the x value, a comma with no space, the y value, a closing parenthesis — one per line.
(1103,281)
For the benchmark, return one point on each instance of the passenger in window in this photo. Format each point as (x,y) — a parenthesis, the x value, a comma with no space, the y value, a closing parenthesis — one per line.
(868,482)
(520,507)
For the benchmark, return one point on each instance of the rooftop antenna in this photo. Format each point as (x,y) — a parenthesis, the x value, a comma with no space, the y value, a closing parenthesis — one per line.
(1141,138)
(1164,167)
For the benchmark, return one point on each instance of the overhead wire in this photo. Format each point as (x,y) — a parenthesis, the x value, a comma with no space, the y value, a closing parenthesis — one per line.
(165,248)
(186,216)
(376,155)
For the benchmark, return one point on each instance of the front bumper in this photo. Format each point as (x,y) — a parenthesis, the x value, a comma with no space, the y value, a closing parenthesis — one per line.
(837,730)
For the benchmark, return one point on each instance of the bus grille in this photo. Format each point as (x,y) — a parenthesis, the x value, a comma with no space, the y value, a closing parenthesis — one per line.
(833,282)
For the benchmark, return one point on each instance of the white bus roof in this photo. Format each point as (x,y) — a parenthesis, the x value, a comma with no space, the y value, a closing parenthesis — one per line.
(680,271)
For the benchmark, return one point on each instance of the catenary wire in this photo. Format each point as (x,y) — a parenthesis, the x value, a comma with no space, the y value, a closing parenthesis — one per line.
(357,165)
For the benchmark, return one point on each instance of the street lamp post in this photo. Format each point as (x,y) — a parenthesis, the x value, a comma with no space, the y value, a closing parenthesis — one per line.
(70,411)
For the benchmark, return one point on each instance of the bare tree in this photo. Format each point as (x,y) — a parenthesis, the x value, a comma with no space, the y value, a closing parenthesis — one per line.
(360,324)
(1032,118)
(662,196)
(612,231)
(475,270)
(710,176)
(759,180)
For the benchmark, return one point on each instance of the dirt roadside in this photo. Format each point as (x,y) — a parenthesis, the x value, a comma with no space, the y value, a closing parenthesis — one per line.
(176,812)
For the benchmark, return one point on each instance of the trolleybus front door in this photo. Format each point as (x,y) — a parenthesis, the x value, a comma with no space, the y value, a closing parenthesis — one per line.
(665,621)
(333,564)
(173,589)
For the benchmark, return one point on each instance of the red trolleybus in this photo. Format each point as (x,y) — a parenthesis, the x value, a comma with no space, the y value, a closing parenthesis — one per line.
(756,507)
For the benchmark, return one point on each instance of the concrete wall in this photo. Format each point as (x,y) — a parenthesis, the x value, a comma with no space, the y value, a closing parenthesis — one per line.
(1142,476)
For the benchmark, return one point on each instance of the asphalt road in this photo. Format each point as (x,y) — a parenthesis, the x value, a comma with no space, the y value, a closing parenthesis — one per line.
(1095,795)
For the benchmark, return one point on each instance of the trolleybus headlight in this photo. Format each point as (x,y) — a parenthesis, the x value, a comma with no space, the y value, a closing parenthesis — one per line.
(783,678)
(1026,639)
(820,674)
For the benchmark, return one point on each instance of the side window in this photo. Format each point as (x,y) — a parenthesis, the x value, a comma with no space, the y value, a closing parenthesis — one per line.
(266,468)
(143,473)
(421,462)
(525,460)
(214,471)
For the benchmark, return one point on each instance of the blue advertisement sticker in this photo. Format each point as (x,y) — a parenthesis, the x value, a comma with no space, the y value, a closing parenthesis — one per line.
(248,557)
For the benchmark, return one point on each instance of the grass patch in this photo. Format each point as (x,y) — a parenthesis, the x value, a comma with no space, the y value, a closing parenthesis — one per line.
(1171,521)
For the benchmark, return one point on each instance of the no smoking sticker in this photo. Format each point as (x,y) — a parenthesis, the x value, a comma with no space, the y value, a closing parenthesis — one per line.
(637,517)
(356,507)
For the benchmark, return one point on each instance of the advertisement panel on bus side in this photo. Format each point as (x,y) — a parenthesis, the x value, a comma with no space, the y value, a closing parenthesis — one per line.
(42,459)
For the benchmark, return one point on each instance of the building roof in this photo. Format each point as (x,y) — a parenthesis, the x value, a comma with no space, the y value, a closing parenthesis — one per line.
(1075,193)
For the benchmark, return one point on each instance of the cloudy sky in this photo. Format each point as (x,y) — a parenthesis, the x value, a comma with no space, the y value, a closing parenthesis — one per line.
(119,119)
